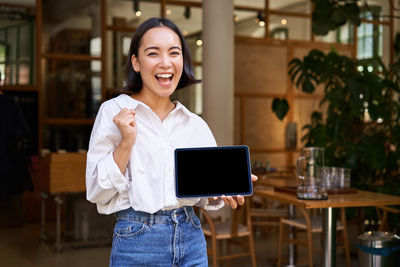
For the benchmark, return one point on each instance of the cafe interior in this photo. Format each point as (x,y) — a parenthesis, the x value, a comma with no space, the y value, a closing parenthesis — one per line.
(312,87)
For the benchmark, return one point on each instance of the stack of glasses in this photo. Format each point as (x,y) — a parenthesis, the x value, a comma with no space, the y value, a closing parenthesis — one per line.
(336,178)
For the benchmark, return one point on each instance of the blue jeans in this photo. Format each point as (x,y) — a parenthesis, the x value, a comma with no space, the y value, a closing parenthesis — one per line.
(166,238)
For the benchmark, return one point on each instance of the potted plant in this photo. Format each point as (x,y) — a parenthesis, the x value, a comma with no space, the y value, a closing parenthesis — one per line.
(361,127)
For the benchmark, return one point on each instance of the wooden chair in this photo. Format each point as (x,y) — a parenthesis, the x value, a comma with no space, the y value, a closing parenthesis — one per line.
(311,225)
(382,212)
(264,212)
(233,232)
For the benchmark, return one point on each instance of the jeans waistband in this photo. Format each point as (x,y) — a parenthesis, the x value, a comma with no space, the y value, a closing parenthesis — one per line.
(161,216)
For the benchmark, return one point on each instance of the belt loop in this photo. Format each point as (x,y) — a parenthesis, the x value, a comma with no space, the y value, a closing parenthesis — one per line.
(186,213)
(151,220)
(174,216)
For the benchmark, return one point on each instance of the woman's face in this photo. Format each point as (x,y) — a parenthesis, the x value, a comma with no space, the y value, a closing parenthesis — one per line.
(159,61)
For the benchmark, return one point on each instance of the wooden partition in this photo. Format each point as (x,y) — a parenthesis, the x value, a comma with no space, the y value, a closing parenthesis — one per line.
(261,74)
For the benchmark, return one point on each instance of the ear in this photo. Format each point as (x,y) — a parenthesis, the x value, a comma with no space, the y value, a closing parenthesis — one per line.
(135,63)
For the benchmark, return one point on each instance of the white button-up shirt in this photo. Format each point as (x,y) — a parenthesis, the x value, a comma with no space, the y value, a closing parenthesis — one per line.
(148,184)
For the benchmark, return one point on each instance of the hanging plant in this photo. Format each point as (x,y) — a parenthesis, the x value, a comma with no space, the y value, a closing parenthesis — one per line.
(329,15)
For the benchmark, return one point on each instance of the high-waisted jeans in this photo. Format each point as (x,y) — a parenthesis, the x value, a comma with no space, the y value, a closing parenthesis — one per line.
(166,238)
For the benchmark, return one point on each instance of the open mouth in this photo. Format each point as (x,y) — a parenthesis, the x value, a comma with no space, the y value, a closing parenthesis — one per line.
(164,77)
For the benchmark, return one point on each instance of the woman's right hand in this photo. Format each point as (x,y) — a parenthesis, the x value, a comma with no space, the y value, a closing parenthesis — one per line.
(126,123)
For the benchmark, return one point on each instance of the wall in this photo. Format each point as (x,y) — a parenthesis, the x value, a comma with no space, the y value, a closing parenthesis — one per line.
(261,68)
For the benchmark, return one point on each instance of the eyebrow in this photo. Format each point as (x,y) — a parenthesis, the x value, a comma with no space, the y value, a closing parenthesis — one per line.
(157,48)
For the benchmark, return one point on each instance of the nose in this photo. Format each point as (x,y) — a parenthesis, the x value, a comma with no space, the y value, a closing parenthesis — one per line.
(165,61)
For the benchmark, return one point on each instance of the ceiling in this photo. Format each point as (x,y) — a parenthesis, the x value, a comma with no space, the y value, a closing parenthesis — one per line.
(58,11)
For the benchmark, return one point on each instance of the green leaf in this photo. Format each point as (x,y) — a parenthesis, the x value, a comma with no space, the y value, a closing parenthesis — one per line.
(329,15)
(352,12)
(339,16)
(280,107)
(308,87)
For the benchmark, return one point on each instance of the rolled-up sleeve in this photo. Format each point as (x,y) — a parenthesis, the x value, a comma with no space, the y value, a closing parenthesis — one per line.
(103,177)
(110,175)
(215,205)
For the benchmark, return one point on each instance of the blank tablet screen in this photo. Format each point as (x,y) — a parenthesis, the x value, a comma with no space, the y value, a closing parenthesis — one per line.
(212,171)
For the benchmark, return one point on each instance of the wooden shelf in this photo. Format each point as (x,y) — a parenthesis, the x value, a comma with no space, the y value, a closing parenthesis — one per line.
(183,3)
(68,121)
(29,8)
(259,94)
(24,88)
(77,57)
(120,28)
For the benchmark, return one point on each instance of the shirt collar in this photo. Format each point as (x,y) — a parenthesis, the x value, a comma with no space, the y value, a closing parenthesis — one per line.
(179,106)
(125,101)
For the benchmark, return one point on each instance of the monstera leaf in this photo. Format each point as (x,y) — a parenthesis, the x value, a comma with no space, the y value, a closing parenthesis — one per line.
(308,72)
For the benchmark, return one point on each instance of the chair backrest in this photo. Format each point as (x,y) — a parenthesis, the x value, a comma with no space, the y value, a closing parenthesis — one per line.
(240,215)
(382,212)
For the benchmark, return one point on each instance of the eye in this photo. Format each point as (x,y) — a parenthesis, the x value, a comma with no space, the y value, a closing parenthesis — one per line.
(175,53)
(152,54)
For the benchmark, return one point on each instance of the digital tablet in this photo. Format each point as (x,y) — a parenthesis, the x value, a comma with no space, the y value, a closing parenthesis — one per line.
(212,171)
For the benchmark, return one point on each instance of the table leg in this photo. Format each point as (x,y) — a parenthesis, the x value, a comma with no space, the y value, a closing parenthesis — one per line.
(43,197)
(329,237)
(292,252)
(59,201)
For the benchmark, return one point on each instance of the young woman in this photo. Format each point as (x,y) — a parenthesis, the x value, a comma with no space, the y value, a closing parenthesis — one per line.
(130,168)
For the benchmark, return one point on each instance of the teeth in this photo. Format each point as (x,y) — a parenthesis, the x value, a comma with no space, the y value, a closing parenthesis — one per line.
(164,75)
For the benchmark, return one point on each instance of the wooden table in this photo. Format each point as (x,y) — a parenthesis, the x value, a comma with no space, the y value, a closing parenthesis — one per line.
(276,182)
(359,199)
(59,173)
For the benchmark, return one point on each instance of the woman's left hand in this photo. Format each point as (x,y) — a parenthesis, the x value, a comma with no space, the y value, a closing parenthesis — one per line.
(233,202)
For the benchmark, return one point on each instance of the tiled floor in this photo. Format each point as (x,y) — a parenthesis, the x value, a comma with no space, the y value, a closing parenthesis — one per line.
(20,247)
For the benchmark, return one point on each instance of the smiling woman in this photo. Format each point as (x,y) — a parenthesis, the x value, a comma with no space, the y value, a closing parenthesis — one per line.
(130,162)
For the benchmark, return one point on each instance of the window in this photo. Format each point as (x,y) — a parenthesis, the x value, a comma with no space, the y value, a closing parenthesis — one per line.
(369,35)
(345,34)
(280,33)
(16,54)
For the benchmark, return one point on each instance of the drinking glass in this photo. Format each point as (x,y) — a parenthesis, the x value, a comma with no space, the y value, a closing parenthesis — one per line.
(310,174)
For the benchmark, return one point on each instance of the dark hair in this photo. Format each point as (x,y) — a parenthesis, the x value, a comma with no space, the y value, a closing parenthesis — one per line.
(134,81)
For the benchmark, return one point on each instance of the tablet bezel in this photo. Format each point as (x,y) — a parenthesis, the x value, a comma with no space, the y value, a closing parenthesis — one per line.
(244,147)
